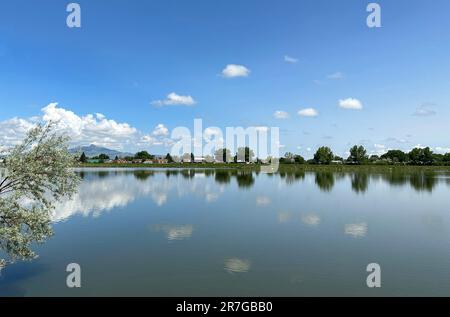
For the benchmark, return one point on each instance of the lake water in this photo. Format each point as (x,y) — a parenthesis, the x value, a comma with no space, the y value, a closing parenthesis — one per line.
(230,233)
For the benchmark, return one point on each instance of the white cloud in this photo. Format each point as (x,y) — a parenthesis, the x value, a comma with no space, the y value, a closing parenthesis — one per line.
(12,132)
(379,149)
(232,70)
(95,129)
(147,139)
(160,130)
(279,114)
(174,99)
(337,75)
(83,130)
(350,103)
(308,112)
(289,59)
(441,150)
(424,111)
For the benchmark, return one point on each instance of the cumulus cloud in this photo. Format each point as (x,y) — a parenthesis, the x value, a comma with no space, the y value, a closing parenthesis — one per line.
(351,104)
(12,132)
(379,149)
(289,59)
(336,75)
(232,70)
(174,99)
(91,128)
(160,130)
(94,129)
(308,112)
(441,150)
(279,114)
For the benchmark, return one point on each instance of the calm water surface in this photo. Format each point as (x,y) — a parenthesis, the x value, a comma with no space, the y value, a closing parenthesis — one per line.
(218,233)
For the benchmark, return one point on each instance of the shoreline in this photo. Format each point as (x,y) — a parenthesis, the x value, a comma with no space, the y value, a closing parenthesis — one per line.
(282,167)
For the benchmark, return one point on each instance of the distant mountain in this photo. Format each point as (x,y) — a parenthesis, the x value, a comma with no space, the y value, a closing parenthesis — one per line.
(93,150)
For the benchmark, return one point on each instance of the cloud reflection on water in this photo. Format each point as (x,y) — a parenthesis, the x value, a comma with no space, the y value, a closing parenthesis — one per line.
(106,189)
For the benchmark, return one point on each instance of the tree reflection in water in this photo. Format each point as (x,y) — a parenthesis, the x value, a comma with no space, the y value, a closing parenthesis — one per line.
(360,182)
(324,180)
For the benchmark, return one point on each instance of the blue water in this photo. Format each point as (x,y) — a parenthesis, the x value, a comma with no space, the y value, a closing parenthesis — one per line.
(230,233)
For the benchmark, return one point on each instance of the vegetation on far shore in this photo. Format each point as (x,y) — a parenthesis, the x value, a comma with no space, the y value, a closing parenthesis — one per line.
(324,158)
(283,167)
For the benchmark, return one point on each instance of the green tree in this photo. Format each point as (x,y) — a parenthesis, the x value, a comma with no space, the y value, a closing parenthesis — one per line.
(192,158)
(289,156)
(323,155)
(169,158)
(358,155)
(395,156)
(38,173)
(143,155)
(438,159)
(298,159)
(83,158)
(446,158)
(374,158)
(223,155)
(338,158)
(421,156)
(103,157)
(245,154)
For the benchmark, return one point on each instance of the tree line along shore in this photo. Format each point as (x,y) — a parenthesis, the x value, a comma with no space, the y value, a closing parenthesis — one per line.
(244,157)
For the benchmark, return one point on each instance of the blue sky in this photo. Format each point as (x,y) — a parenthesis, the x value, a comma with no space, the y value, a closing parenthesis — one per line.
(129,54)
